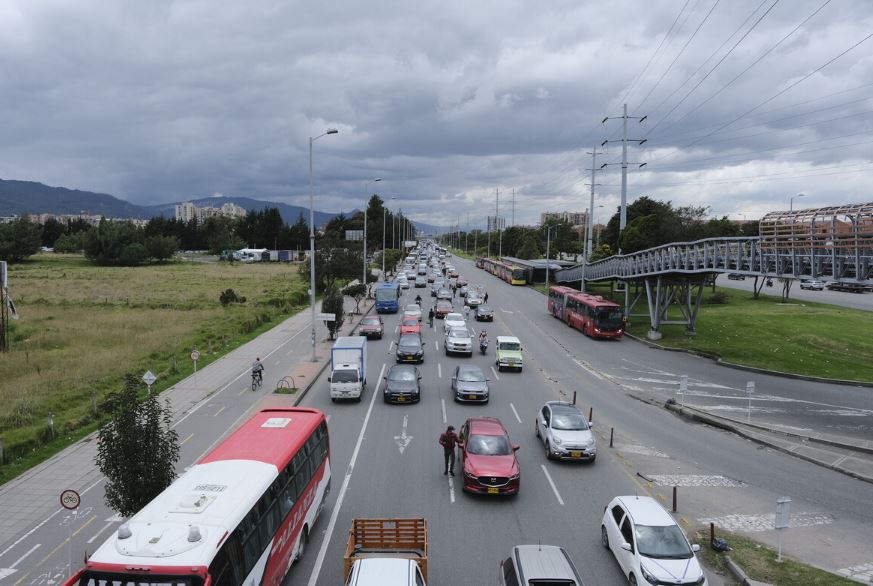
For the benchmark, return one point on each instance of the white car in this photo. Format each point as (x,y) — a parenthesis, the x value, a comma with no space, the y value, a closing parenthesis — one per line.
(413,310)
(648,544)
(473,299)
(812,285)
(403,282)
(565,432)
(460,341)
(454,320)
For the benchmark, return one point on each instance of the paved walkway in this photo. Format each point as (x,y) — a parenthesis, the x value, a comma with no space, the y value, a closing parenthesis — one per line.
(33,496)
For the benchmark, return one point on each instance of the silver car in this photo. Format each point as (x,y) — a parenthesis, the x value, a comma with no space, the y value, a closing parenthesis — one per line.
(459,341)
(469,383)
(565,432)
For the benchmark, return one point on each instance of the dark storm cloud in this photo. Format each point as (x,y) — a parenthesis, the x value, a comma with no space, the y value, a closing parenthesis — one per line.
(161,101)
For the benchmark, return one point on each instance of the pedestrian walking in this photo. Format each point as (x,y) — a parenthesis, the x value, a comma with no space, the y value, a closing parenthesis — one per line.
(430,315)
(449,440)
(466,312)
(486,297)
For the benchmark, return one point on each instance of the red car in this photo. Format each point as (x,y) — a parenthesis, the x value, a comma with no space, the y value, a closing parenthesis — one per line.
(410,325)
(443,308)
(461,281)
(488,457)
(371,326)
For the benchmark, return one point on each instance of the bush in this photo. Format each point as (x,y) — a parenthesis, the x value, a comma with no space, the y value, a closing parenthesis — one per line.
(229,296)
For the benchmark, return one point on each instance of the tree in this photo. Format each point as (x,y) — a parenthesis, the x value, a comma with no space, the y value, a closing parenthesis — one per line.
(601,252)
(333,303)
(106,243)
(530,247)
(19,239)
(356,292)
(51,231)
(161,248)
(137,449)
(69,242)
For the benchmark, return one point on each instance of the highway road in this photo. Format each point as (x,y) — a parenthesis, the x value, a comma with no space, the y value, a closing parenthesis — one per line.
(386,460)
(854,300)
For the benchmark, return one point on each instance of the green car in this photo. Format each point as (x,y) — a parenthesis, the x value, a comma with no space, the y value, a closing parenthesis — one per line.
(509,353)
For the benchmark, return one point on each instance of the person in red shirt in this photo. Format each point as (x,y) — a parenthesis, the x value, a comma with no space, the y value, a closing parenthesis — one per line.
(449,440)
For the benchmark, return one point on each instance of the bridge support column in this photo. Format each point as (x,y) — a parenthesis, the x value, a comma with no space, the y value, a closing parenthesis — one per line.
(685,293)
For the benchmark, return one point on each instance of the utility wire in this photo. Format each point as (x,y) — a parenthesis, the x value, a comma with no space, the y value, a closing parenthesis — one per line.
(755,62)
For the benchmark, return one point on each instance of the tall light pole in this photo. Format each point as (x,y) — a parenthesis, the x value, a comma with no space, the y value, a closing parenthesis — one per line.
(548,245)
(366,205)
(312,238)
(791,201)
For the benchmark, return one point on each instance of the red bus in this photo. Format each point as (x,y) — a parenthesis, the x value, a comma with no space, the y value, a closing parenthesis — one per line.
(241,515)
(557,300)
(593,315)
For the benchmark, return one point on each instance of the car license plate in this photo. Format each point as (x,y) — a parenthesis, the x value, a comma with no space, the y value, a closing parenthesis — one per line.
(401,399)
(471,397)
(575,454)
(493,490)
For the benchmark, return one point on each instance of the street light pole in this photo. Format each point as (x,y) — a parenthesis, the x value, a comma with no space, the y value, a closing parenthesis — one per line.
(366,205)
(312,239)
(548,245)
(791,201)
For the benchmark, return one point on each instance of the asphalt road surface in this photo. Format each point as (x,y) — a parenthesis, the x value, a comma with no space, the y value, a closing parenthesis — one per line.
(854,300)
(387,463)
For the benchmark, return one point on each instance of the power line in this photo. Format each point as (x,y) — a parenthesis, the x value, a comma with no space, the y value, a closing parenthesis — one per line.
(771,176)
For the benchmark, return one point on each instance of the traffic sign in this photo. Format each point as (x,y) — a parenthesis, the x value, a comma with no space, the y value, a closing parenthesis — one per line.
(149,378)
(70,499)
(326,316)
(195,355)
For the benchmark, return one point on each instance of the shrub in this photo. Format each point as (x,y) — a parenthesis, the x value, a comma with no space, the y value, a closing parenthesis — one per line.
(229,296)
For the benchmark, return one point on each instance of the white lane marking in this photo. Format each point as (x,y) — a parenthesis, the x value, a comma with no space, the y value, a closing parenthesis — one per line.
(439,370)
(223,407)
(588,370)
(313,577)
(514,412)
(505,311)
(436,345)
(96,535)
(396,329)
(451,489)
(495,373)
(243,390)
(184,441)
(277,362)
(403,440)
(22,558)
(328,418)
(443,401)
(554,488)
(391,347)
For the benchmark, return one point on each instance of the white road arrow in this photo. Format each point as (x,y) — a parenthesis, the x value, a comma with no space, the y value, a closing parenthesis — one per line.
(403,440)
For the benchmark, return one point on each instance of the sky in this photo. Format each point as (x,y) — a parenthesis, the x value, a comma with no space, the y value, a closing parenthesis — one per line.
(454,105)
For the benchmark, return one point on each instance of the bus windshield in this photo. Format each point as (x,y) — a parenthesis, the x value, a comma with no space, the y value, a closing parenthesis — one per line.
(113,579)
(386,294)
(608,317)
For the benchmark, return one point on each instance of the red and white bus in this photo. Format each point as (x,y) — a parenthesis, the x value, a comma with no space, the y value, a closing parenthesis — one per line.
(241,515)
(593,315)
(556,300)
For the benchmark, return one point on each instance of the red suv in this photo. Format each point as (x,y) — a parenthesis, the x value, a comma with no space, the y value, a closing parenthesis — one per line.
(488,457)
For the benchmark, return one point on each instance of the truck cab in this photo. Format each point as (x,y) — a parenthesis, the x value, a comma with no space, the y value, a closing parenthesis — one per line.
(508,354)
(385,572)
(345,381)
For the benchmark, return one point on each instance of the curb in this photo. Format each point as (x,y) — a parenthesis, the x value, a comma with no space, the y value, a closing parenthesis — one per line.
(321,370)
(728,425)
(718,360)
(740,575)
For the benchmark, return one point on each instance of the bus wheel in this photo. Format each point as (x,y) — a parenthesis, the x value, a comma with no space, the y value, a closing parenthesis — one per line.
(301,545)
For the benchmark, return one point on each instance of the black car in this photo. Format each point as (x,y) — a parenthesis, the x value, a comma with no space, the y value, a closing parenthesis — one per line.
(469,384)
(403,384)
(410,349)
(484,313)
(736,277)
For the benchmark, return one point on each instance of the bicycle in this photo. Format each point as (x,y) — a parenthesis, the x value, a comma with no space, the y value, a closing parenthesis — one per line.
(257,380)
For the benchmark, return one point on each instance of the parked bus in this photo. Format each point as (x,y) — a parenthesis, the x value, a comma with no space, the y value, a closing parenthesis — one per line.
(388,298)
(593,315)
(510,273)
(241,515)
(557,300)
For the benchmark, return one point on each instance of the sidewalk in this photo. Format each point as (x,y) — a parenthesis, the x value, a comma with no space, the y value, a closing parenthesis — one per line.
(32,498)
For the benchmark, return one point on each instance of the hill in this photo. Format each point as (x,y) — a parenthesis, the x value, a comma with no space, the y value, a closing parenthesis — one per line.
(288,212)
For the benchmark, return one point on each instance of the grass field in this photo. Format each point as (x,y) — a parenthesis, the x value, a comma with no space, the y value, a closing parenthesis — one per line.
(83,327)
(813,339)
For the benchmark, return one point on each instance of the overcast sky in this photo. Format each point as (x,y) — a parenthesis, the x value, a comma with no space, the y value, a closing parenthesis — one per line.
(748,102)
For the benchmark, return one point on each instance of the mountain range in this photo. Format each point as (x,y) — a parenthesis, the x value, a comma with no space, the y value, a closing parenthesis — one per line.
(30,197)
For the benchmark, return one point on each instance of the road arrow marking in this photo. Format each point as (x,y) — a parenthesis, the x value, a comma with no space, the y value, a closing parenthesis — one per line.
(403,440)
(6,572)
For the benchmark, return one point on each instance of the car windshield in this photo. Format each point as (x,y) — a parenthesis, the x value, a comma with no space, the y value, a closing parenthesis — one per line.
(455,317)
(401,374)
(386,294)
(345,376)
(608,317)
(471,375)
(484,309)
(569,421)
(410,321)
(370,321)
(511,346)
(662,542)
(412,308)
(460,333)
(489,445)
(409,342)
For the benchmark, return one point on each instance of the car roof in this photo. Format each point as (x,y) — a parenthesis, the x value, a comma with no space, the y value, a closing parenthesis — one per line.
(558,406)
(408,337)
(486,426)
(541,562)
(645,510)
(508,339)
(459,329)
(485,308)
(401,367)
(470,368)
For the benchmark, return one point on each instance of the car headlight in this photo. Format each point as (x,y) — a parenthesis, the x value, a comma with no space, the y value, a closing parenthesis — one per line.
(557,441)
(469,475)
(514,477)
(650,578)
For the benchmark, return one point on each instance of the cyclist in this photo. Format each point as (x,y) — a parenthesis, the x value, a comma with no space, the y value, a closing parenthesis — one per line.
(258,370)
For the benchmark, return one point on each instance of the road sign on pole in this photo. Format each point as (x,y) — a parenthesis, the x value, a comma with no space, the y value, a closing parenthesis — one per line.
(782,521)
(70,499)
(149,379)
(195,356)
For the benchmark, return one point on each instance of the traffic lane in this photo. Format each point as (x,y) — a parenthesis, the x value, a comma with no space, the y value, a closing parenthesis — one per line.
(853,300)
(729,455)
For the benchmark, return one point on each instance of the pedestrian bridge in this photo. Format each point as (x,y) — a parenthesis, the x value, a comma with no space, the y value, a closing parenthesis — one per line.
(834,243)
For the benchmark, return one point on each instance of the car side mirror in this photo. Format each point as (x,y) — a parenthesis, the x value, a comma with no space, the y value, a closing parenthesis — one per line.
(515,447)
(384,378)
(626,546)
(419,377)
(590,424)
(695,547)
(328,379)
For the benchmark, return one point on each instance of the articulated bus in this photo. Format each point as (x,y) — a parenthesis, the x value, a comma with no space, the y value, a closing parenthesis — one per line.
(556,300)
(241,515)
(510,273)
(388,298)
(592,315)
